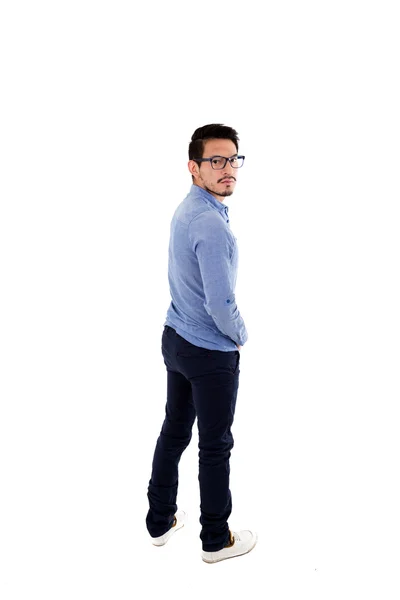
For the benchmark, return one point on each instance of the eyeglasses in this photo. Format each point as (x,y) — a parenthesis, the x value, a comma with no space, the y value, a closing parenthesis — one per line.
(219,162)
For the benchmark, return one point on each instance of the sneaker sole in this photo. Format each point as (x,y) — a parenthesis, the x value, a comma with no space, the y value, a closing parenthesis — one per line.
(168,538)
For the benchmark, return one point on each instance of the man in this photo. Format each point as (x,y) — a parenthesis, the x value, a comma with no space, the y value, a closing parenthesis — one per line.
(202,336)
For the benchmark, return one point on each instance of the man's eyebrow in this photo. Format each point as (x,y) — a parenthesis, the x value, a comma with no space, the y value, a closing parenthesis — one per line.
(227,156)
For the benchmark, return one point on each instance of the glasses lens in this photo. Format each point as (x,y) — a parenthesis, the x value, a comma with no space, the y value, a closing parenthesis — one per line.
(237,162)
(218,162)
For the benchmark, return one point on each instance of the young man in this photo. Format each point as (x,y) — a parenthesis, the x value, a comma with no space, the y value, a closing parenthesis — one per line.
(202,336)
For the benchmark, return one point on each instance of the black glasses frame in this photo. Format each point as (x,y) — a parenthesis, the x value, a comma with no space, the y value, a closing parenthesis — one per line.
(226,160)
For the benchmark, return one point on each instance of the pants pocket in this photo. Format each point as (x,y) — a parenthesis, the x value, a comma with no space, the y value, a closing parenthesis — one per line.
(235,362)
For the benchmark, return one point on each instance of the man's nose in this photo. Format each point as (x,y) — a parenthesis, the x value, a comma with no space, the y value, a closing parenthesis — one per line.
(228,171)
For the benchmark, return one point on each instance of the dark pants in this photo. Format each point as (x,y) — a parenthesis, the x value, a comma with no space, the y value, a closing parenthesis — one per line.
(202,383)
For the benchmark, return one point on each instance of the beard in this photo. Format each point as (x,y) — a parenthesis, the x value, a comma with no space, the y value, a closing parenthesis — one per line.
(224,193)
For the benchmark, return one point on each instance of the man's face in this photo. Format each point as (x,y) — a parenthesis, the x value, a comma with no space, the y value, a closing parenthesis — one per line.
(219,182)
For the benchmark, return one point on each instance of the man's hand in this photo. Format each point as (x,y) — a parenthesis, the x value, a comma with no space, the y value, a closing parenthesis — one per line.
(238,346)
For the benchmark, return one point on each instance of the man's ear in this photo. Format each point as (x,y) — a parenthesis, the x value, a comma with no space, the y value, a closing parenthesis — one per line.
(193,168)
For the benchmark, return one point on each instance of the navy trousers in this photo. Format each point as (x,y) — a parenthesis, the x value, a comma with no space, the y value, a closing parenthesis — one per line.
(202,383)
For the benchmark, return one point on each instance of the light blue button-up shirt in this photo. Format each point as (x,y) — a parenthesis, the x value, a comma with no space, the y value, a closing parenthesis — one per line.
(202,270)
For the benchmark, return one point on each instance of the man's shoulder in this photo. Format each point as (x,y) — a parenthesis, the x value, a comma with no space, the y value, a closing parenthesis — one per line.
(206,217)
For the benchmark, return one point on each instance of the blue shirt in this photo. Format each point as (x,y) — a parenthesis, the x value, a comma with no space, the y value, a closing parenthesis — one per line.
(202,270)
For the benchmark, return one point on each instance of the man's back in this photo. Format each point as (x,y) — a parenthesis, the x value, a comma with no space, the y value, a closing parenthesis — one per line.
(202,272)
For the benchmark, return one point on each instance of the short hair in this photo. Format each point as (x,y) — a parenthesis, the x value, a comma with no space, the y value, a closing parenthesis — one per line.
(210,132)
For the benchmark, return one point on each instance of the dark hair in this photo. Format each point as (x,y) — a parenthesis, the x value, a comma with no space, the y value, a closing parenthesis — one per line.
(210,132)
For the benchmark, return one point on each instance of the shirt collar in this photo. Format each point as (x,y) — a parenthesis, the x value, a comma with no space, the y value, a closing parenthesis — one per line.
(202,193)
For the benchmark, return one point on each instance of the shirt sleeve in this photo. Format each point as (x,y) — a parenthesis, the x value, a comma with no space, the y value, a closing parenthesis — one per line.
(214,246)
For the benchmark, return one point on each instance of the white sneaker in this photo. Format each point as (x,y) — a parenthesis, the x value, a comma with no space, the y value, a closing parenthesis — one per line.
(240,543)
(180,520)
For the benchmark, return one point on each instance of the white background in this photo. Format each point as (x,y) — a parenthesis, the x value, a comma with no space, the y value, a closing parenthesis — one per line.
(98,105)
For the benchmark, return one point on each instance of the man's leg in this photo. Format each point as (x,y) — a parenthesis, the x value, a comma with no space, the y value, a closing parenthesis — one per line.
(174,437)
(214,396)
